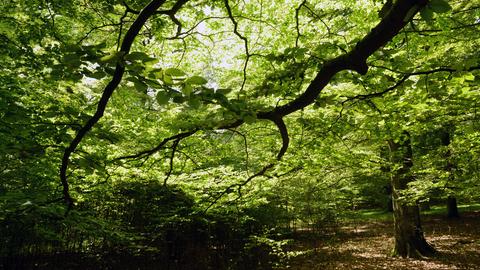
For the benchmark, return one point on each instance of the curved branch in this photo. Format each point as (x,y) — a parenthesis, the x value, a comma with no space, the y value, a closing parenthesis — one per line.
(355,60)
(172,156)
(402,80)
(282,128)
(171,13)
(285,142)
(392,23)
(239,186)
(157,148)
(398,16)
(132,32)
(178,136)
(297,21)
(245,41)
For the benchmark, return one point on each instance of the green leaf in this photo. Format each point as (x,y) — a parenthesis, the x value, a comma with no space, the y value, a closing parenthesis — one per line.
(139,56)
(187,89)
(167,79)
(136,68)
(440,6)
(469,77)
(76,76)
(426,14)
(194,103)
(72,60)
(222,100)
(196,80)
(140,86)
(157,74)
(72,48)
(175,72)
(178,99)
(223,91)
(162,98)
(97,75)
(113,57)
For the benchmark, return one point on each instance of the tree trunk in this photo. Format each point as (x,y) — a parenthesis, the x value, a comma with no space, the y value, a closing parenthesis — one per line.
(388,190)
(452,209)
(409,238)
(390,204)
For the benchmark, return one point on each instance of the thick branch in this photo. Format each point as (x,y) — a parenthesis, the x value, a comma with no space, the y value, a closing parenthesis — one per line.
(132,32)
(356,59)
(282,128)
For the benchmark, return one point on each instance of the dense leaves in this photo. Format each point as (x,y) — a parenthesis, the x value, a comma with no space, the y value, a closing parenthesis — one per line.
(203,133)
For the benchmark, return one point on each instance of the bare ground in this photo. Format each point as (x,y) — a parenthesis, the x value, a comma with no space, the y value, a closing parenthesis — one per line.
(368,245)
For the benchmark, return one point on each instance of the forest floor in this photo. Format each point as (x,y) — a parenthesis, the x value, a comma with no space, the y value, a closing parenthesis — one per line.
(367,244)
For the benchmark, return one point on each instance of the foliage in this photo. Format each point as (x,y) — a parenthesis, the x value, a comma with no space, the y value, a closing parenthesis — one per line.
(226,124)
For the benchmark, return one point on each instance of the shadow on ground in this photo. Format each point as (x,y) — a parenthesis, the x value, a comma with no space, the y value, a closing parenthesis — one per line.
(367,245)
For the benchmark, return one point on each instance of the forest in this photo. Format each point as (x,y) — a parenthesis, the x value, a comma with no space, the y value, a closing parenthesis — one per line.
(239,134)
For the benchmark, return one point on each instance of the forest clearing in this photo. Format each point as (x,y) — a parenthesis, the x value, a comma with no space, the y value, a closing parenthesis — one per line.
(368,244)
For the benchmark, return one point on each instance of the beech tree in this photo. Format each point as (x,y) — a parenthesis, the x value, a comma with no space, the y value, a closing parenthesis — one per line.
(219,95)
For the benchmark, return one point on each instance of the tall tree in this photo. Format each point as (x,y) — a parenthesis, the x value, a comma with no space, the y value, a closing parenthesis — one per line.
(409,237)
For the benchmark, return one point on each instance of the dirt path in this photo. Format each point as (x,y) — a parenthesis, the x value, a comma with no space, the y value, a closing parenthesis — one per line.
(367,246)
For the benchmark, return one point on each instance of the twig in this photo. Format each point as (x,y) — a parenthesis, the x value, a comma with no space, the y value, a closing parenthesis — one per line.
(245,41)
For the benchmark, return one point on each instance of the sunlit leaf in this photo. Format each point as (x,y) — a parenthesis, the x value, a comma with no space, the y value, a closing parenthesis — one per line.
(167,79)
(196,80)
(138,56)
(187,89)
(174,72)
(112,57)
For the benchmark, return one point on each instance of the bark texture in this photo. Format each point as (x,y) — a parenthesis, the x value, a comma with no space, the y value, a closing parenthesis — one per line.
(409,236)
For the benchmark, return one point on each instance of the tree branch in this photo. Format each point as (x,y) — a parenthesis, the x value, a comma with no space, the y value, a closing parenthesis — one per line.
(282,128)
(398,16)
(157,148)
(245,143)
(402,80)
(238,186)
(354,60)
(172,156)
(297,21)
(132,32)
(245,41)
